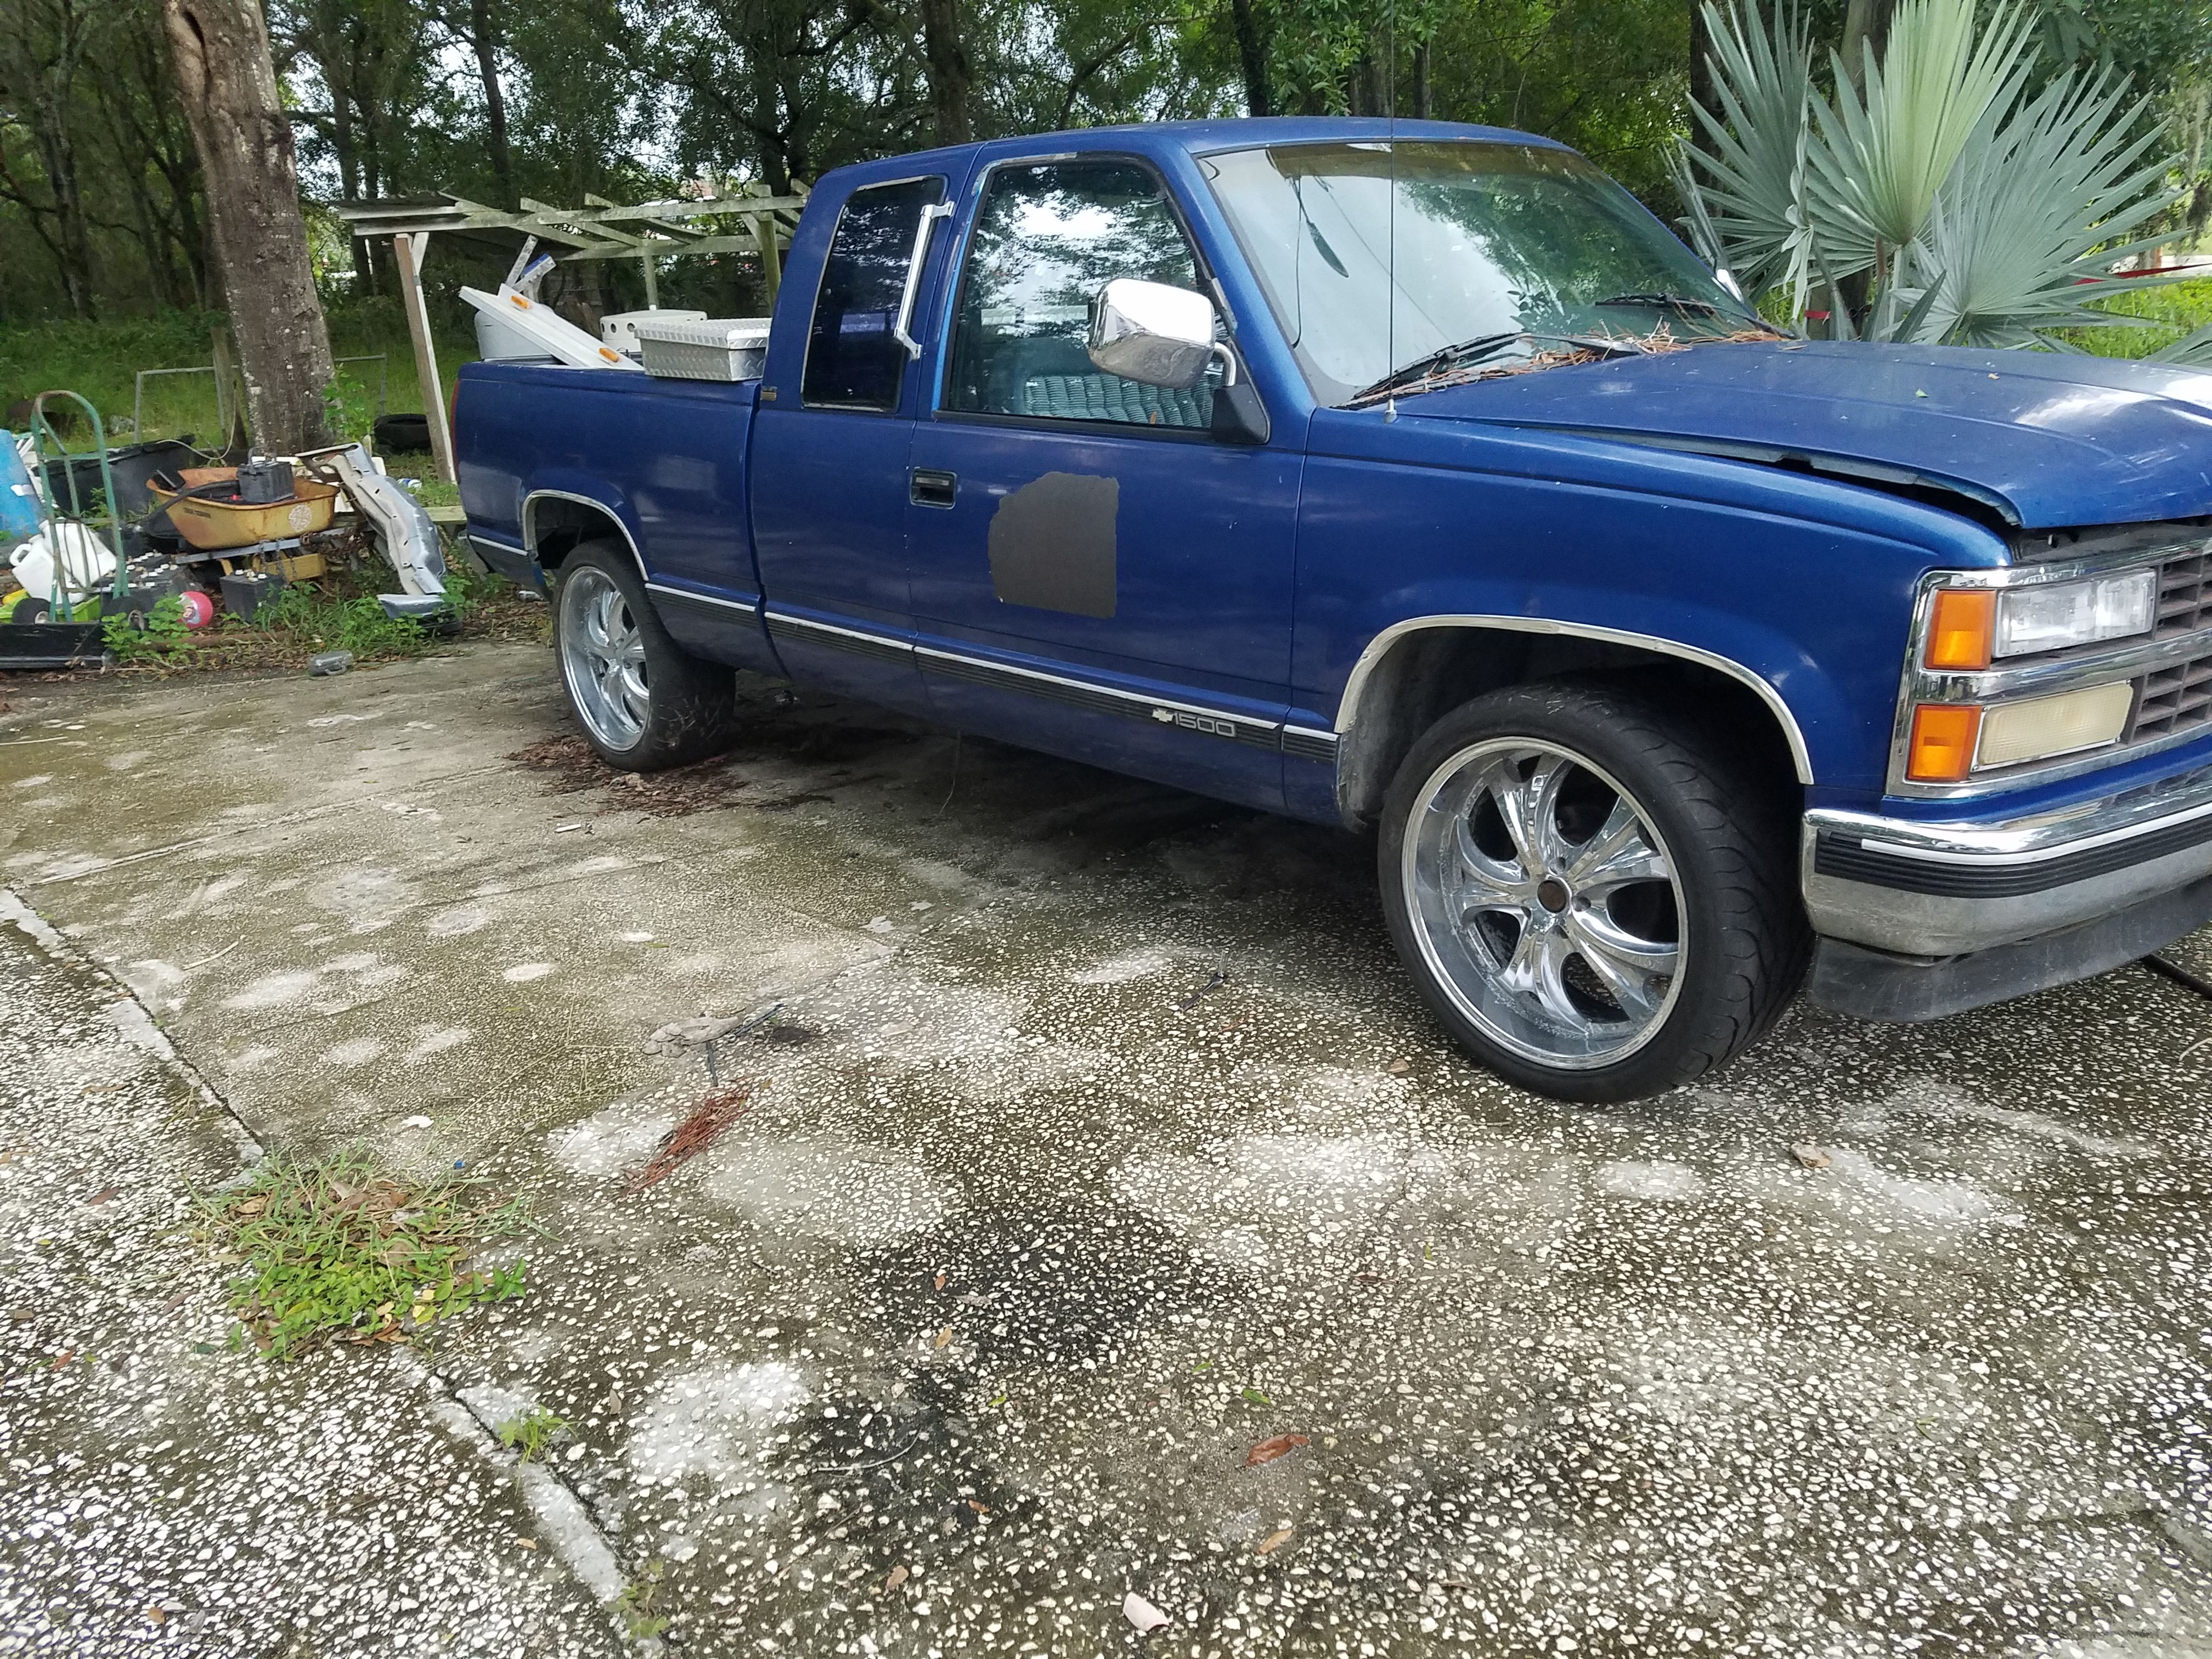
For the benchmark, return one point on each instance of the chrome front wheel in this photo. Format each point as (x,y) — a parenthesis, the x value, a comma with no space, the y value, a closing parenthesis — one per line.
(1545,902)
(602,658)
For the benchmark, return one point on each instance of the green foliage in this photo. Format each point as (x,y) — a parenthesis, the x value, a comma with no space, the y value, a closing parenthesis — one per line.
(162,637)
(345,1249)
(528,1434)
(357,624)
(1971,206)
(634,1605)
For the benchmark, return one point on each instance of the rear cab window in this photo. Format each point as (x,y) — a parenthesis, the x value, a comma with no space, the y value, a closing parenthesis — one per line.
(853,360)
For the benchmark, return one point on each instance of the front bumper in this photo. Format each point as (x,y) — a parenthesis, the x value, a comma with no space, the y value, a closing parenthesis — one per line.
(1921,917)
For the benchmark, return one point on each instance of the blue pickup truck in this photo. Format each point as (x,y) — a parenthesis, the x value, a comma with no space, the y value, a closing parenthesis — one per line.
(1415,479)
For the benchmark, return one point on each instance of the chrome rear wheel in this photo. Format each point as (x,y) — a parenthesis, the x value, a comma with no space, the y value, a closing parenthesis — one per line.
(603,657)
(1545,902)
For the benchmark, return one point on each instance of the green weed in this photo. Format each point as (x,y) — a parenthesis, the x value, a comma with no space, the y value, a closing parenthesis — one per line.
(162,638)
(345,1250)
(528,1434)
(633,1606)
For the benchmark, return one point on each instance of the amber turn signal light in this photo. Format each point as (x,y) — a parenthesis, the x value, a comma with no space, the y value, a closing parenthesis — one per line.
(1964,625)
(1942,747)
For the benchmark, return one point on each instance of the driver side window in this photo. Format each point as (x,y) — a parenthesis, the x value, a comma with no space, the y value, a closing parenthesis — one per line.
(1047,238)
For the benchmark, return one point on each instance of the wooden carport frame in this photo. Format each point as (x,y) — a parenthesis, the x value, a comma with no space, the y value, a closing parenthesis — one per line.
(600,229)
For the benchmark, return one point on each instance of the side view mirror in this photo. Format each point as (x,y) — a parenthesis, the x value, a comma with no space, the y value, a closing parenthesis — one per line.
(1157,334)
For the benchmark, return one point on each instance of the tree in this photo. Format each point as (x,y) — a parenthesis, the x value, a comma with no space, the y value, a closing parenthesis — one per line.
(227,84)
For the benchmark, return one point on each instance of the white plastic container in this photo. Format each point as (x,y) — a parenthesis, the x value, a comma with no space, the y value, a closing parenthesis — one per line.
(497,342)
(712,349)
(620,330)
(85,564)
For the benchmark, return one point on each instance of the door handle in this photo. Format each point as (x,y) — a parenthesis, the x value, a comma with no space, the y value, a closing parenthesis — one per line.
(930,486)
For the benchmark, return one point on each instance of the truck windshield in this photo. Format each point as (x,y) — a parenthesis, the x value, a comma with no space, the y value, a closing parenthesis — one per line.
(1374,263)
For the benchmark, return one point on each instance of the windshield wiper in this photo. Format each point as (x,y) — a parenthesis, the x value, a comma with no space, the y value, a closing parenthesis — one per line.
(1690,306)
(1673,302)
(1467,353)
(1450,356)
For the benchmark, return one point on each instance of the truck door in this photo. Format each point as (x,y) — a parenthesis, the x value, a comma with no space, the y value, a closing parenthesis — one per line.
(1092,572)
(828,469)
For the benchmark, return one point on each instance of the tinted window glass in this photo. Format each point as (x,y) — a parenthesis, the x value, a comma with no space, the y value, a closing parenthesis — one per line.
(852,361)
(1047,239)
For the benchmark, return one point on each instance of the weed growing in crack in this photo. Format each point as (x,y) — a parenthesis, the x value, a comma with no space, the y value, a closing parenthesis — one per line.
(633,1606)
(346,1249)
(528,1434)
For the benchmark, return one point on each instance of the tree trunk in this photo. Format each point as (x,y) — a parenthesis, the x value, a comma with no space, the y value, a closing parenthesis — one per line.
(485,39)
(1866,23)
(1701,70)
(948,70)
(1424,103)
(227,87)
(1252,53)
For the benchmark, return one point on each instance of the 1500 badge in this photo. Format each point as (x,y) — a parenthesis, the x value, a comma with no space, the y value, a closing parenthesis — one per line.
(1205,723)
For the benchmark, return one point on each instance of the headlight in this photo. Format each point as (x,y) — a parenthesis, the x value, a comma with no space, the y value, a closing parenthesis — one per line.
(1970,627)
(2060,614)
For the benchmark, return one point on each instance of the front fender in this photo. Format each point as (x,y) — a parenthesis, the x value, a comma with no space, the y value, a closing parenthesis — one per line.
(1800,588)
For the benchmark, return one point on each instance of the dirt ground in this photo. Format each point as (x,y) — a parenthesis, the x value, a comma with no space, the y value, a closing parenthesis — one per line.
(1104,1218)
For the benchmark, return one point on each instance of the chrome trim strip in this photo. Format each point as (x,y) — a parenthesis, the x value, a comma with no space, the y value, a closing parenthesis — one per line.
(2146,810)
(529,525)
(1135,698)
(499,542)
(783,618)
(662,588)
(1347,709)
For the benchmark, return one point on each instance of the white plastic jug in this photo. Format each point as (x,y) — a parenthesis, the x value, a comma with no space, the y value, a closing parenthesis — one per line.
(66,549)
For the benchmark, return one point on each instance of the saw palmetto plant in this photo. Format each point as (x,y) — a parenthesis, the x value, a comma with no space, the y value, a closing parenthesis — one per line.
(1939,194)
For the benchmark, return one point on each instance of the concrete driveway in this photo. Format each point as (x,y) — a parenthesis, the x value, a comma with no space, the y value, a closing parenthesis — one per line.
(1098,1149)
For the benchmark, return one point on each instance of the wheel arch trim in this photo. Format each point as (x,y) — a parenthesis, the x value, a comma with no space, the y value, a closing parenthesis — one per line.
(605,509)
(1347,708)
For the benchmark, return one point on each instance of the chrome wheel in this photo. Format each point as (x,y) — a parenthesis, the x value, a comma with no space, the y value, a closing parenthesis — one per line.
(1545,902)
(603,654)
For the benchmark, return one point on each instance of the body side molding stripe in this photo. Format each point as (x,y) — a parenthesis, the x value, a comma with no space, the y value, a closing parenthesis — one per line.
(1347,708)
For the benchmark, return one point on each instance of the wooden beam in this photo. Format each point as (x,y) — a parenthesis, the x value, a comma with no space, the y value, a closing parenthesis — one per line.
(411,248)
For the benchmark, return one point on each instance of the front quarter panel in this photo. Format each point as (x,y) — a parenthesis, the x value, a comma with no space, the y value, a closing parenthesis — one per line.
(1805,585)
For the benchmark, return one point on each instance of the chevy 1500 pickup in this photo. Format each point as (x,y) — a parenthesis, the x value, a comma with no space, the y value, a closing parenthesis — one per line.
(1415,479)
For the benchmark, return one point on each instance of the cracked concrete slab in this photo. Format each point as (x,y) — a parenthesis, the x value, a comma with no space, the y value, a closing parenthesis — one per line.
(1097,1145)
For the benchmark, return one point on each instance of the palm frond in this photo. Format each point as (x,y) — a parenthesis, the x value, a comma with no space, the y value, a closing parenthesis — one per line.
(1756,148)
(2037,212)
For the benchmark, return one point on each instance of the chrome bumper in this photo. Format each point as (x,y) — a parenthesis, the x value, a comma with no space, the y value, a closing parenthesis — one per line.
(1947,888)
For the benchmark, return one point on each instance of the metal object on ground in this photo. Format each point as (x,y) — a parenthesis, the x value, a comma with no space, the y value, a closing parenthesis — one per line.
(328,662)
(403,527)
(1546,901)
(683,346)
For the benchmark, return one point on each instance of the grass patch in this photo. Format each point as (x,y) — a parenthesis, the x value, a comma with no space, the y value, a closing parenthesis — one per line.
(347,1249)
(528,1434)
(2170,312)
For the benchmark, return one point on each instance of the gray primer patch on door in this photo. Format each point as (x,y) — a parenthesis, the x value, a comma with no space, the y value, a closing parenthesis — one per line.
(1052,544)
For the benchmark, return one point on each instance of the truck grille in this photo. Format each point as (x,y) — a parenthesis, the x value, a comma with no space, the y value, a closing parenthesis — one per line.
(2172,700)
(2185,594)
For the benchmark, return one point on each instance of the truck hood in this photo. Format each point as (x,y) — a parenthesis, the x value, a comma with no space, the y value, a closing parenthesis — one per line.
(2044,441)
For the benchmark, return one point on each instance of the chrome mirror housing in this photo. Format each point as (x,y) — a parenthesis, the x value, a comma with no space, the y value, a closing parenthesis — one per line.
(1157,334)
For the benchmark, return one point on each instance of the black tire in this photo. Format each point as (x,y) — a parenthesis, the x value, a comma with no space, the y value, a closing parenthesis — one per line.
(30,610)
(1725,831)
(688,710)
